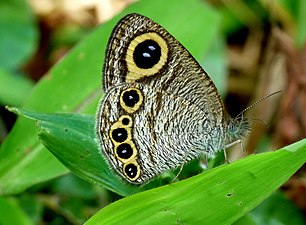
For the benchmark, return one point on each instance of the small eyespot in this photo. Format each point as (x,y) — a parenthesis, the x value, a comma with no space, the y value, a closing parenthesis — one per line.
(124,151)
(131,170)
(119,134)
(125,121)
(130,98)
(147,54)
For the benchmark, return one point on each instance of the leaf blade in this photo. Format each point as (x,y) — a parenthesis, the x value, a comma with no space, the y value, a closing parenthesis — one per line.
(219,196)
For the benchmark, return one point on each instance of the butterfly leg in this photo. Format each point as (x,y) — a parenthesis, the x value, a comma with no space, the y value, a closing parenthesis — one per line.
(204,162)
(230,145)
(181,168)
(225,156)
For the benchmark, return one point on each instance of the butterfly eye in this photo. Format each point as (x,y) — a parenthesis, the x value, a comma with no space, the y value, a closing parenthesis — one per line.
(132,171)
(147,54)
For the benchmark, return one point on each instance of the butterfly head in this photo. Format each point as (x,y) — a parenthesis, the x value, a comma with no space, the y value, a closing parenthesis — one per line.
(237,128)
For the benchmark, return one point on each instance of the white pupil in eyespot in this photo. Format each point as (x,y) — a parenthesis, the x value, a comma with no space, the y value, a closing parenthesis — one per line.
(145,54)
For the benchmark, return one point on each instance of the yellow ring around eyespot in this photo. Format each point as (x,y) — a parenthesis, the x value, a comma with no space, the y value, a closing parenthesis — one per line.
(136,73)
(138,170)
(136,106)
(126,117)
(116,125)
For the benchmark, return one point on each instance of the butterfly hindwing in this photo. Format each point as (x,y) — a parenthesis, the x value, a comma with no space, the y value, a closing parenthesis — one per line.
(149,131)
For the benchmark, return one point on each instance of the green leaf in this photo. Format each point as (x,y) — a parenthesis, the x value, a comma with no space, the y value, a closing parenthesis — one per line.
(19,33)
(72,139)
(277,209)
(219,196)
(215,62)
(13,88)
(74,85)
(247,219)
(32,205)
(12,213)
(230,190)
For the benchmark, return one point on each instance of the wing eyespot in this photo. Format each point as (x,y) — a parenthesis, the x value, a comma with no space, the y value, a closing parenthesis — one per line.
(131,99)
(132,170)
(125,151)
(146,55)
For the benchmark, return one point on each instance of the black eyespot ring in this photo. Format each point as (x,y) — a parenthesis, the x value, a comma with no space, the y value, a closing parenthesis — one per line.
(131,170)
(119,134)
(147,54)
(124,151)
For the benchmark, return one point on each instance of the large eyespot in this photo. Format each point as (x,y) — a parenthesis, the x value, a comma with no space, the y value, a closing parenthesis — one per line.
(131,99)
(145,56)
(132,170)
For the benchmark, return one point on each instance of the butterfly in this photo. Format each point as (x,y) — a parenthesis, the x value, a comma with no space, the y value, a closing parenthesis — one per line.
(160,108)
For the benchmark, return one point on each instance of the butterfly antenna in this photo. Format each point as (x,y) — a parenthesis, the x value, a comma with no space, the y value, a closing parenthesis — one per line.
(259,120)
(257,102)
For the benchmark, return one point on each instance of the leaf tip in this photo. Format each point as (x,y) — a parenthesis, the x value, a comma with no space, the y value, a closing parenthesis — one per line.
(13,110)
(299,146)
